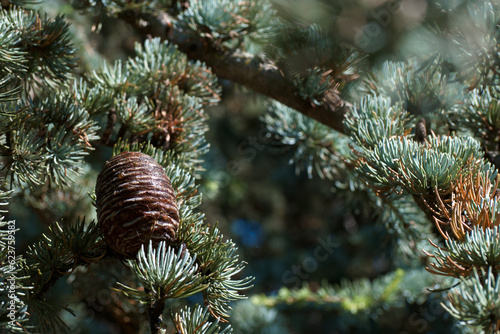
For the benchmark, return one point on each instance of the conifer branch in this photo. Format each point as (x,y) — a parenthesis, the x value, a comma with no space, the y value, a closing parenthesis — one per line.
(155,310)
(58,253)
(154,103)
(248,70)
(354,297)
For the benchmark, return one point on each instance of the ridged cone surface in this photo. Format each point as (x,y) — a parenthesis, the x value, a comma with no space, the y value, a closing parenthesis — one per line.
(135,203)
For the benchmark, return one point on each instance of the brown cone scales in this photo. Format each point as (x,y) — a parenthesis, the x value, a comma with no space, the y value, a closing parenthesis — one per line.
(135,203)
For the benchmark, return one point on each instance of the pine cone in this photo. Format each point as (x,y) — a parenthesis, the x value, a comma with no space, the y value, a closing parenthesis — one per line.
(135,203)
(420,131)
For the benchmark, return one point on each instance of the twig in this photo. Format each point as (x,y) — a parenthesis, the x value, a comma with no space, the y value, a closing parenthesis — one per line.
(155,311)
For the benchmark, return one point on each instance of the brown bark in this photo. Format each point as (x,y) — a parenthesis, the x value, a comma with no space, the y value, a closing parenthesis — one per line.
(261,76)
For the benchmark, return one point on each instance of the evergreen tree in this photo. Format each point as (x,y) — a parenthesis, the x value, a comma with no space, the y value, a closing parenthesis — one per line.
(392,104)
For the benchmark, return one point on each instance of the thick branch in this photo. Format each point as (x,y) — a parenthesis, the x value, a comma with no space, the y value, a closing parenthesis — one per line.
(244,69)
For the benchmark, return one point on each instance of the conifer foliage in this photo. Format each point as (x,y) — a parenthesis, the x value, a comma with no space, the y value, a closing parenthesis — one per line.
(52,120)
(418,134)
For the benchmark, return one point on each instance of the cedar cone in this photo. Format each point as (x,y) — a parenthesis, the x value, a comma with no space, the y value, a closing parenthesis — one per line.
(420,131)
(135,203)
